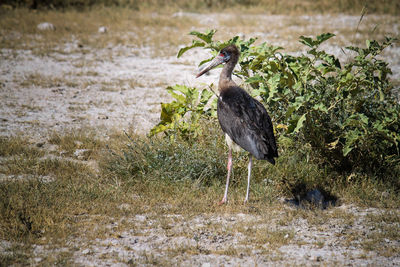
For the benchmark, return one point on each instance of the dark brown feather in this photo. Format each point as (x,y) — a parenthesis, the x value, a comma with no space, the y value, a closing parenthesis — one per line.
(247,123)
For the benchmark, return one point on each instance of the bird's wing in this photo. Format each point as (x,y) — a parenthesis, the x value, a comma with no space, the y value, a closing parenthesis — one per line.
(247,122)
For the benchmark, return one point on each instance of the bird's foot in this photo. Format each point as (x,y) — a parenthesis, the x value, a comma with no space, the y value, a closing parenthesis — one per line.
(222,202)
(246,201)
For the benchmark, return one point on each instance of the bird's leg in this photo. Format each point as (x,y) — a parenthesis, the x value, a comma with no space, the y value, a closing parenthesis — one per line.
(248,178)
(229,167)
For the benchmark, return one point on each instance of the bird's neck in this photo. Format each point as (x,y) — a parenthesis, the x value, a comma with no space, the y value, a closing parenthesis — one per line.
(225,78)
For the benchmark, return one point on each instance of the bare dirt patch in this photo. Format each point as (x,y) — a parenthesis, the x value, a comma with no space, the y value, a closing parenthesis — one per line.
(123,85)
(243,239)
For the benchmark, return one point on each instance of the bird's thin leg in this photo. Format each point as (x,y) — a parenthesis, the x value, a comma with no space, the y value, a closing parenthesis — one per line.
(248,178)
(229,167)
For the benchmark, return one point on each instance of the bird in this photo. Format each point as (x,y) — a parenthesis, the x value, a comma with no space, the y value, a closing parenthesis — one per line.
(243,119)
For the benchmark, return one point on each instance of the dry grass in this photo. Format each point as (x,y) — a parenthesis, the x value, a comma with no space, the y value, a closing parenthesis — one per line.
(157,178)
(42,81)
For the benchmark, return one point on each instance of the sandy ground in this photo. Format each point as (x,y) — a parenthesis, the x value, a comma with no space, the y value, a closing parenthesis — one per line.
(211,240)
(104,100)
(122,87)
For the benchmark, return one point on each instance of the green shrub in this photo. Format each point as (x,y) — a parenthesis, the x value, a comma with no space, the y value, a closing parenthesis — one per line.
(346,112)
(189,102)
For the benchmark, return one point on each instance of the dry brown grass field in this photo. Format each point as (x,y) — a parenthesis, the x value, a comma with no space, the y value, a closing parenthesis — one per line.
(82,185)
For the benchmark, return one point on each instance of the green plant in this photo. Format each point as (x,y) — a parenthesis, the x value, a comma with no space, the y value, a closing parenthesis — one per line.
(183,115)
(347,113)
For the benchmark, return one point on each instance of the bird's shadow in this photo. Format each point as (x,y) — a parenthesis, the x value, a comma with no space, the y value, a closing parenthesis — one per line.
(315,198)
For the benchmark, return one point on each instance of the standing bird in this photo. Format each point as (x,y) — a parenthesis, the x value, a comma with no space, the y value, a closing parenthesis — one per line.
(243,119)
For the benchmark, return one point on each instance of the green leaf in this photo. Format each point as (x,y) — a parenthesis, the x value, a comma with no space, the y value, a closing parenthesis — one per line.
(195,43)
(323,37)
(320,107)
(363,118)
(158,129)
(180,88)
(273,84)
(206,37)
(300,123)
(351,138)
(368,43)
(314,43)
(255,79)
(205,96)
(205,61)
(166,114)
(289,111)
(307,41)
(346,150)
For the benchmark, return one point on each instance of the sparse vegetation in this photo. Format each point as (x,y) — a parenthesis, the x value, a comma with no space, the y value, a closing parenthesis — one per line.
(127,27)
(157,177)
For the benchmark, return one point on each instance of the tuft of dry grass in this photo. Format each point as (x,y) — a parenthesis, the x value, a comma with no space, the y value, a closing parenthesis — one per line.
(39,80)
(16,145)
(74,140)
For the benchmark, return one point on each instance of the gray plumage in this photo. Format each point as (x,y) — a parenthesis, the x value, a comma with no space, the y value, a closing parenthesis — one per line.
(247,123)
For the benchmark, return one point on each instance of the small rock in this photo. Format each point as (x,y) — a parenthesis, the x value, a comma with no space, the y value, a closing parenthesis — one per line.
(78,143)
(102,29)
(86,251)
(102,117)
(206,264)
(124,206)
(141,218)
(81,154)
(318,258)
(40,144)
(267,181)
(178,14)
(46,178)
(46,26)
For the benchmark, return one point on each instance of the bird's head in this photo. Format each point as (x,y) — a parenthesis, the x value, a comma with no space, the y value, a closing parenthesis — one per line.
(228,54)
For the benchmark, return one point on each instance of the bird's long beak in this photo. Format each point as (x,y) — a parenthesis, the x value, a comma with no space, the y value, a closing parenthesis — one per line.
(206,67)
